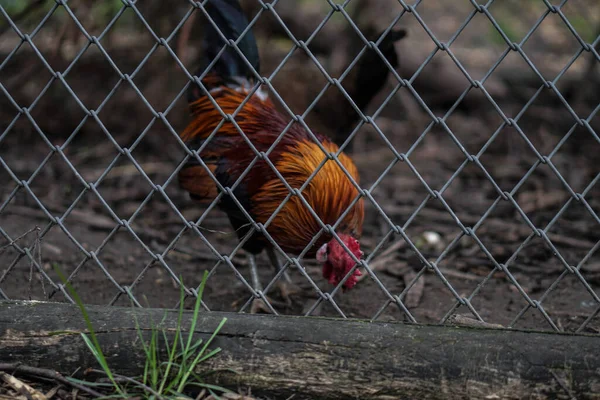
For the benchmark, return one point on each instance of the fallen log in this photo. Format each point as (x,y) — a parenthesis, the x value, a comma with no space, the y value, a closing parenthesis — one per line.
(320,357)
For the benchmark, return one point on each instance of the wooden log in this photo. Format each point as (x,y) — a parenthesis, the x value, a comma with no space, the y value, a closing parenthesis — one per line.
(320,357)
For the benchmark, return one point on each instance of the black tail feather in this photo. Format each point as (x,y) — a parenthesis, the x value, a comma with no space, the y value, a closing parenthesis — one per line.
(372,71)
(229,17)
(370,77)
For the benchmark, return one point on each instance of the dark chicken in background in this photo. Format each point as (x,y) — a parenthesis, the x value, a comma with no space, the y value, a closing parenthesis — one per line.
(337,48)
(227,155)
(362,84)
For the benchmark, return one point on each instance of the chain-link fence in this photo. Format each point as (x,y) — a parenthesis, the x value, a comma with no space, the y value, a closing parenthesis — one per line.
(477,157)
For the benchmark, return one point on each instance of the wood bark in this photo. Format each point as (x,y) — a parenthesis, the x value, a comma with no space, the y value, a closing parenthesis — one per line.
(320,357)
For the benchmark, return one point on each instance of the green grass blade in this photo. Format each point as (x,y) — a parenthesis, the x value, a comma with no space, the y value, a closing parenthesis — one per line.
(213,394)
(146,350)
(93,343)
(170,377)
(196,311)
(212,353)
(212,337)
(194,363)
(172,353)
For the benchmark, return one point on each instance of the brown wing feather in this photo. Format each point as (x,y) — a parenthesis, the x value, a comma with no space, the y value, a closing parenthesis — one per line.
(258,120)
(196,180)
(227,147)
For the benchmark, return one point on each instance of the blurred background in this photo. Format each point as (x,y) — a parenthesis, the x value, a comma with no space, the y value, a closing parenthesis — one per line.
(39,109)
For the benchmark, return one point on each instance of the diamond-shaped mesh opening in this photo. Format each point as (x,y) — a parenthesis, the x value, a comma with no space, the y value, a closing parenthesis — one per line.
(92,59)
(555,35)
(476,155)
(59,39)
(15,78)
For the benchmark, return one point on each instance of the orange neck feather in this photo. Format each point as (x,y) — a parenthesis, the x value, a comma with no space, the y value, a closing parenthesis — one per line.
(330,193)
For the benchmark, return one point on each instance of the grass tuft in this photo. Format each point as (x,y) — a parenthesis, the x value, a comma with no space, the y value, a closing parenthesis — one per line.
(161,379)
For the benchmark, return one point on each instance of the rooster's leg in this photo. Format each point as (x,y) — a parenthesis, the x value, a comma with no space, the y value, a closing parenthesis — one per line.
(258,304)
(286,286)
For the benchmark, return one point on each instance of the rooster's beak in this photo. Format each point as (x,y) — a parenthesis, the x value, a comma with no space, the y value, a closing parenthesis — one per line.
(322,254)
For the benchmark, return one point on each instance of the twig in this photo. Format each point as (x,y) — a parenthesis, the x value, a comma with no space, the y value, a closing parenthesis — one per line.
(128,171)
(91,219)
(36,247)
(12,397)
(122,378)
(562,385)
(381,262)
(384,259)
(400,244)
(461,275)
(47,373)
(571,241)
(52,392)
(413,296)
(15,240)
(184,253)
(22,387)
(463,320)
(201,395)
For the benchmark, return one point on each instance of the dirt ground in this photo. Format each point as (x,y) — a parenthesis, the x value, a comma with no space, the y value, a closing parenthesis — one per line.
(122,261)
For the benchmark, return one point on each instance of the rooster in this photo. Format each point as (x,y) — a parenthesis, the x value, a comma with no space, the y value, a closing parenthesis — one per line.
(331,195)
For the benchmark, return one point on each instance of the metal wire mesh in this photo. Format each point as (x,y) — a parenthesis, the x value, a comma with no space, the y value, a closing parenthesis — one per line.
(427,259)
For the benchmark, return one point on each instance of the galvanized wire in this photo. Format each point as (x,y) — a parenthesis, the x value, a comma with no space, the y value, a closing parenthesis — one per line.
(394,231)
